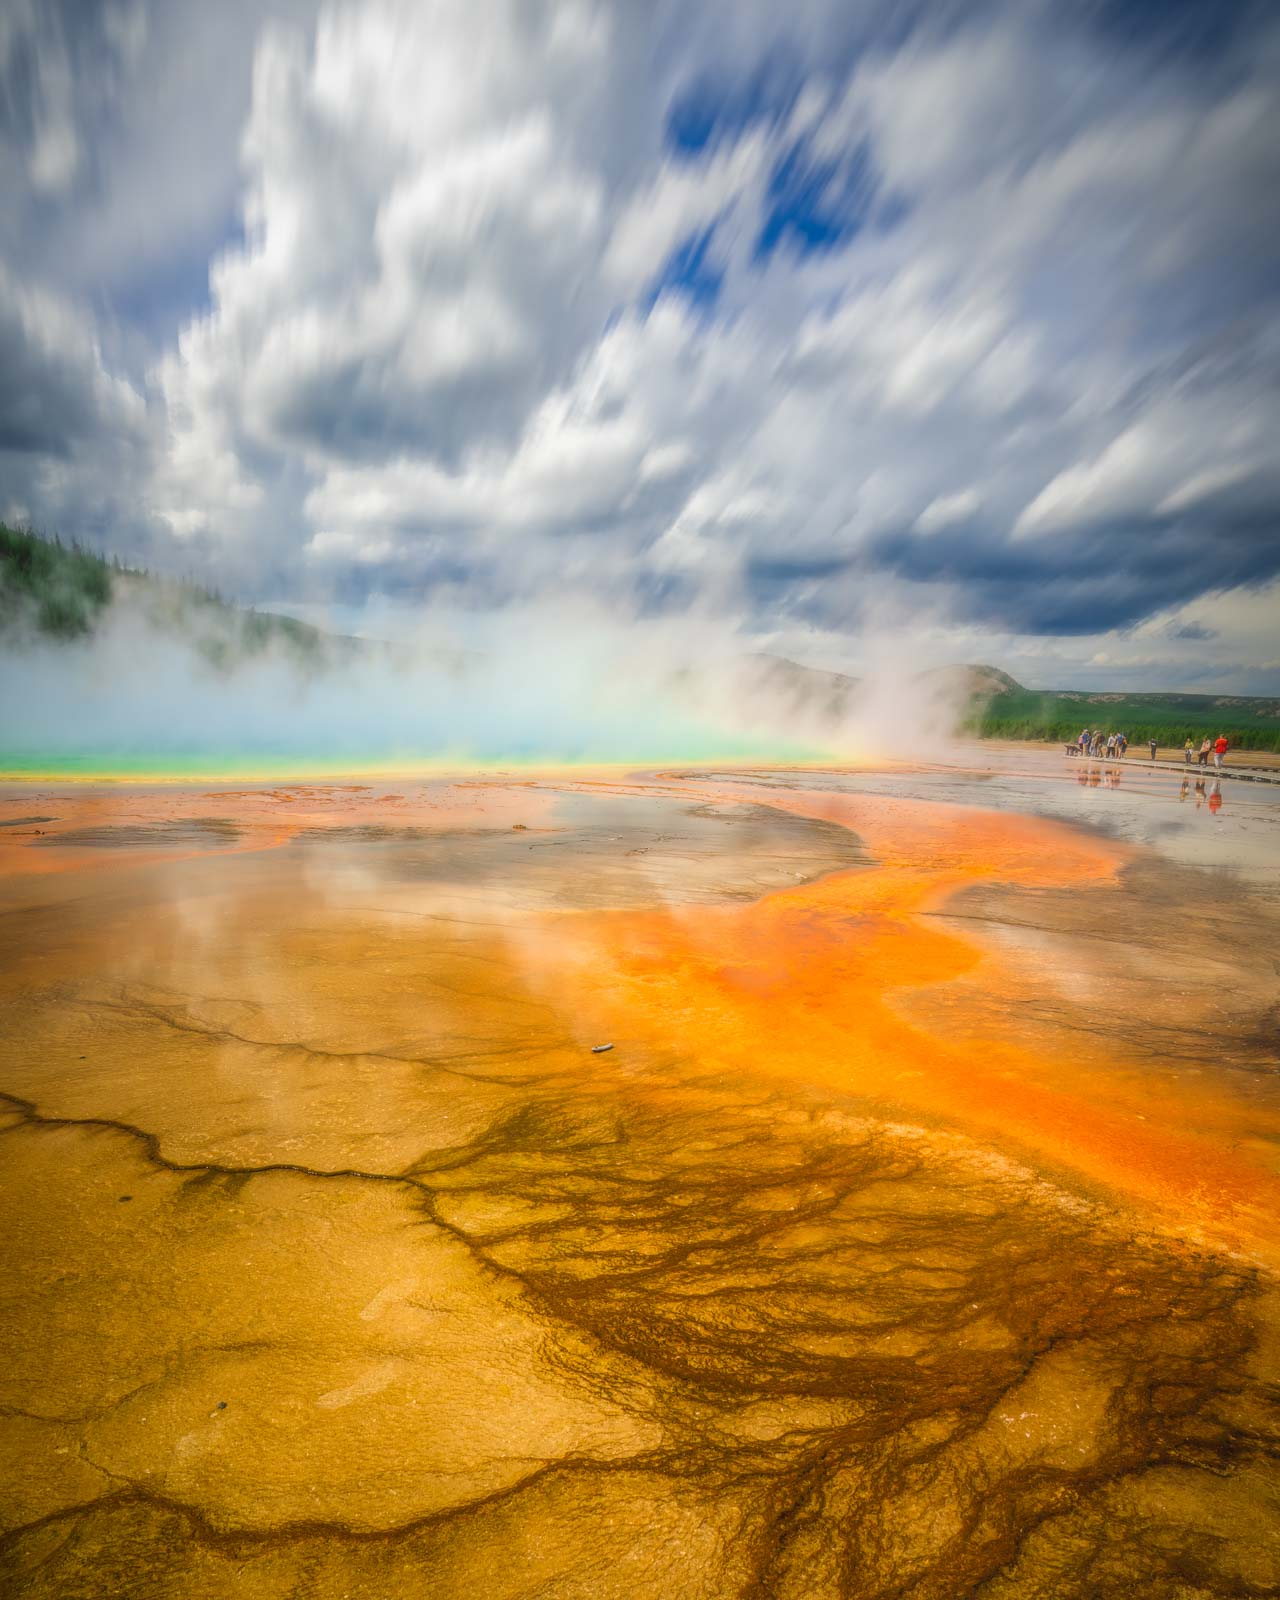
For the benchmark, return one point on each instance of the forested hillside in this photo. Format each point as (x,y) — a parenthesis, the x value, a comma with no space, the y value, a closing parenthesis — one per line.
(59,591)
(1251,722)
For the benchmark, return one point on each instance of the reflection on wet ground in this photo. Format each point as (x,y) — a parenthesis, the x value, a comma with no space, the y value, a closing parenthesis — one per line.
(917,1236)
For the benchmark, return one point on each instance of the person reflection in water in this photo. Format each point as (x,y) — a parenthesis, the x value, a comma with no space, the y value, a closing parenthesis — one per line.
(1215,797)
(1199,793)
(1185,789)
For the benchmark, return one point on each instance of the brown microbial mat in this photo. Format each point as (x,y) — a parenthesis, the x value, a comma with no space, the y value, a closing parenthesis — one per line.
(916,1236)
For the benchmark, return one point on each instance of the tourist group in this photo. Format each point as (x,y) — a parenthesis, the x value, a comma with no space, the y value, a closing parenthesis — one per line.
(1112,746)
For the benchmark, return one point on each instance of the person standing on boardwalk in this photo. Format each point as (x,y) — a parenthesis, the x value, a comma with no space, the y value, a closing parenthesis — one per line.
(1219,750)
(1204,752)
(1188,750)
(1153,749)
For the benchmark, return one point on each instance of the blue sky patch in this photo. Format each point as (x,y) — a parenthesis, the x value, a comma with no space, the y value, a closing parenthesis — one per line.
(690,270)
(816,204)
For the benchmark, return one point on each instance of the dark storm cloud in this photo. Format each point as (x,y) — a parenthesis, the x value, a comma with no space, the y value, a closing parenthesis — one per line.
(1110,575)
(766,574)
(1187,29)
(45,404)
(54,390)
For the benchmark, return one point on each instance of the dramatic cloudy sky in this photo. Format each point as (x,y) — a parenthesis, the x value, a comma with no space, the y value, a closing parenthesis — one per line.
(818,321)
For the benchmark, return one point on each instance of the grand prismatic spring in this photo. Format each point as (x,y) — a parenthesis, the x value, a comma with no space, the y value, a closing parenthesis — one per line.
(916,1236)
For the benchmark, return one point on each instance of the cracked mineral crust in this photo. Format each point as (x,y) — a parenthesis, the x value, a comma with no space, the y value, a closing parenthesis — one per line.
(884,1255)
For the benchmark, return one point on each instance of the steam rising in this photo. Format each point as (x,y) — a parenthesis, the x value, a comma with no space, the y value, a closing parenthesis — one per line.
(549,686)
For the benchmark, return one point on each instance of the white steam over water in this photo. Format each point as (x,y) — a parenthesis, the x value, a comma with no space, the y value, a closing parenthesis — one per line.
(549,686)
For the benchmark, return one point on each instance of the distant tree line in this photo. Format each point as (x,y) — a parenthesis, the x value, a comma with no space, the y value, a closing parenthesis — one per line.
(59,588)
(60,591)
(1166,730)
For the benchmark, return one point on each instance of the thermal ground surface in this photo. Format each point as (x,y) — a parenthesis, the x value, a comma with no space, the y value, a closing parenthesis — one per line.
(916,1235)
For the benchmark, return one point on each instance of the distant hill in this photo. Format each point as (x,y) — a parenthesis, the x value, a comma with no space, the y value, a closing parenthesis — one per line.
(976,683)
(835,692)
(994,705)
(808,692)
(58,591)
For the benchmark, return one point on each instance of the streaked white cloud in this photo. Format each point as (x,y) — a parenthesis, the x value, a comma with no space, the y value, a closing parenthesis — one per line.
(456,334)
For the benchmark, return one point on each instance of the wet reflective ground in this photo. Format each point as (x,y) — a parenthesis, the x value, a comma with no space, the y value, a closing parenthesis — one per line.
(916,1237)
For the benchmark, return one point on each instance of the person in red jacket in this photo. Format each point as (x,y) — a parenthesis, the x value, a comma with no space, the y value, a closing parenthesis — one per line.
(1219,750)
